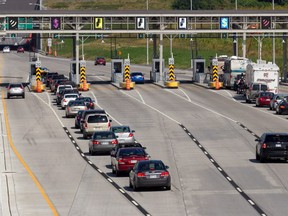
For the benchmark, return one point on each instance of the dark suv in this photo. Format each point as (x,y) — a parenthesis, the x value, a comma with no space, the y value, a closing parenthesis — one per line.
(272,146)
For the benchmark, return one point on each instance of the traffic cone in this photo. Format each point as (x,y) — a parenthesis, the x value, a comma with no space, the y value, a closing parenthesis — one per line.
(128,84)
(85,87)
(38,87)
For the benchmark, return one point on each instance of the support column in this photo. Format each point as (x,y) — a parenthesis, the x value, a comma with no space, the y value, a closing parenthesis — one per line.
(77,58)
(161,58)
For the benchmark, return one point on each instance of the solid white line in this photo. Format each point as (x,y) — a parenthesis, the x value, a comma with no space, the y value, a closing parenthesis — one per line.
(140,96)
(230,95)
(103,109)
(203,107)
(152,108)
(185,94)
(50,108)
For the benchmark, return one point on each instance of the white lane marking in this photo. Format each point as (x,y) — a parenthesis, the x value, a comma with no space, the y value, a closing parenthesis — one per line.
(100,171)
(152,108)
(102,108)
(98,77)
(203,107)
(230,95)
(251,202)
(140,96)
(90,162)
(135,203)
(239,189)
(110,180)
(229,179)
(49,105)
(220,169)
(122,191)
(217,92)
(185,94)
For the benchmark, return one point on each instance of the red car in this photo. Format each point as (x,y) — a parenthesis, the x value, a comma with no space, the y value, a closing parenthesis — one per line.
(126,158)
(100,61)
(20,49)
(264,98)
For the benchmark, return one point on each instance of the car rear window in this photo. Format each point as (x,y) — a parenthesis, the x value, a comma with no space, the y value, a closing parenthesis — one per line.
(120,129)
(263,88)
(136,74)
(133,151)
(104,136)
(71,96)
(86,99)
(276,138)
(97,119)
(15,85)
(151,166)
(255,87)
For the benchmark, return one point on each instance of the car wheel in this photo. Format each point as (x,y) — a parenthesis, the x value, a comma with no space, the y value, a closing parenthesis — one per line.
(262,159)
(257,156)
(168,187)
(135,188)
(84,136)
(130,183)
(113,170)
(8,96)
(117,172)
(23,96)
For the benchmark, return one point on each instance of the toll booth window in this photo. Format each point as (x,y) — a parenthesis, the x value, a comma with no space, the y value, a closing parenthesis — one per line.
(199,67)
(157,66)
(117,67)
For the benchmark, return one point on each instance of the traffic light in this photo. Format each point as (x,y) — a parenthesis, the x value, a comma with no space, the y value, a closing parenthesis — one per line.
(266,22)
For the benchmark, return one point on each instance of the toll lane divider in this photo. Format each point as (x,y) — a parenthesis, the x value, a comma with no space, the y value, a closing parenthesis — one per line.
(226,176)
(104,175)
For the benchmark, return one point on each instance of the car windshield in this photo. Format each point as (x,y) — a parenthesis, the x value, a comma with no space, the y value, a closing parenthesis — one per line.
(86,99)
(133,151)
(97,119)
(151,166)
(120,129)
(276,138)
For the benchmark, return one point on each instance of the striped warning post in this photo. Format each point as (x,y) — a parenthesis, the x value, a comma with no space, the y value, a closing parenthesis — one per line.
(171,73)
(127,73)
(38,73)
(215,73)
(82,74)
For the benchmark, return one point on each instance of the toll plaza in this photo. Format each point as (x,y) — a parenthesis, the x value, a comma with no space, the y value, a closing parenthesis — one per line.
(170,77)
(155,75)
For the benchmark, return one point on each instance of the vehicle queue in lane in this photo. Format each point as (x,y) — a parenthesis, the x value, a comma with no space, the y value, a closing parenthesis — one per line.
(104,138)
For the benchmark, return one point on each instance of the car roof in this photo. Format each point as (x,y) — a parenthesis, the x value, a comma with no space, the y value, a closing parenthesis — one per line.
(103,132)
(119,126)
(150,161)
(276,133)
(131,144)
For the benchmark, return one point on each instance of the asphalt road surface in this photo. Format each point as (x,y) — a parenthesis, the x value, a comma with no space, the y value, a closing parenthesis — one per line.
(206,137)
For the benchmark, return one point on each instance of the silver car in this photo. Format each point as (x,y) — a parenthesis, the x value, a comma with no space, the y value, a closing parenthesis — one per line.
(15,89)
(275,100)
(102,141)
(123,133)
(73,107)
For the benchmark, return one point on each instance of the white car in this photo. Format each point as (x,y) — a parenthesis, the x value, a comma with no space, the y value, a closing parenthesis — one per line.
(67,98)
(6,49)
(123,133)
(61,87)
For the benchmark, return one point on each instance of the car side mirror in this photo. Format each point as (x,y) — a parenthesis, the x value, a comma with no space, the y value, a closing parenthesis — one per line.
(257,139)
(133,131)
(167,167)
(144,147)
(110,120)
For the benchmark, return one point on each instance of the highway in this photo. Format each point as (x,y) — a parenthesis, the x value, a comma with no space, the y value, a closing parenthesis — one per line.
(206,137)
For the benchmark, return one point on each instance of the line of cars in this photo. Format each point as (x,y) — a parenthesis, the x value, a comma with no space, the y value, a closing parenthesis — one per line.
(127,155)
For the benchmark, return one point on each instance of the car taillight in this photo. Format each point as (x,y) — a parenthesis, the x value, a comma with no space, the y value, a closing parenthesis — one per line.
(68,108)
(140,174)
(91,104)
(282,107)
(120,161)
(114,142)
(109,124)
(64,100)
(130,135)
(164,174)
(85,125)
(264,145)
(95,142)
(146,158)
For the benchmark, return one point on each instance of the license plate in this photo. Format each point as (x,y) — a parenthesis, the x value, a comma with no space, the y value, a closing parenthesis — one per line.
(153,176)
(133,161)
(278,145)
(105,143)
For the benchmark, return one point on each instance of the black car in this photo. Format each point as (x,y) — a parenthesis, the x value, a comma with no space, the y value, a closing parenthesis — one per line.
(272,146)
(124,145)
(282,106)
(150,173)
(88,102)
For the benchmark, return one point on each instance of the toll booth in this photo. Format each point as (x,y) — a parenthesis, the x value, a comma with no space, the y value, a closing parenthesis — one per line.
(117,69)
(198,70)
(72,74)
(155,73)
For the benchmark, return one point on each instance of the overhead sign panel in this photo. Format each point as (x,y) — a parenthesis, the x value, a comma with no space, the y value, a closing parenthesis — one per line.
(182,23)
(98,23)
(140,23)
(224,22)
(55,23)
(13,23)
